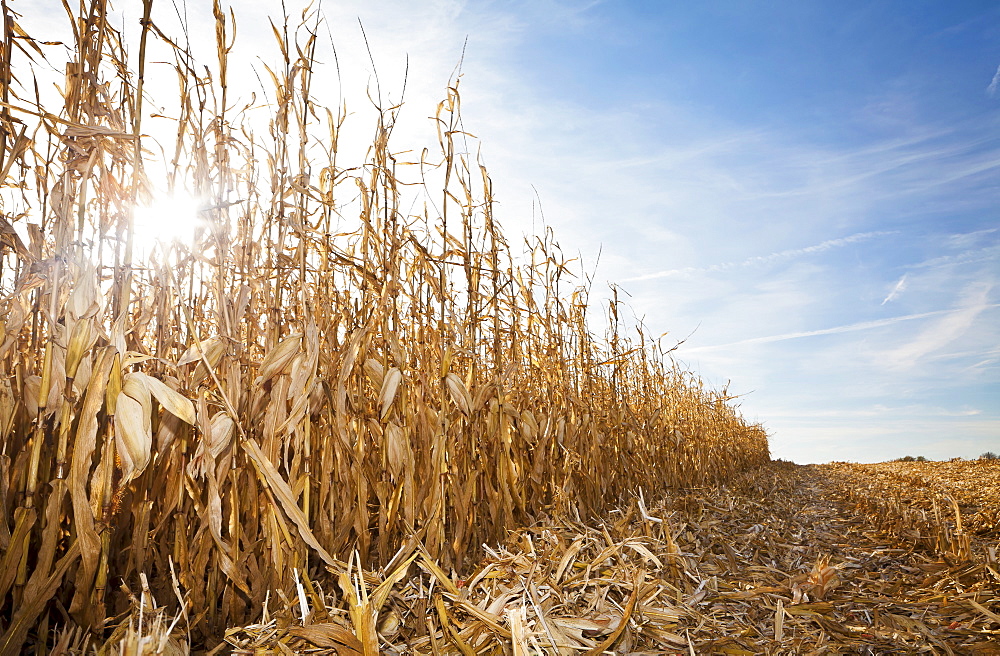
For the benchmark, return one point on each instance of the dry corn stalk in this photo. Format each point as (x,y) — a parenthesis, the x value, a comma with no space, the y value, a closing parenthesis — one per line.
(367,375)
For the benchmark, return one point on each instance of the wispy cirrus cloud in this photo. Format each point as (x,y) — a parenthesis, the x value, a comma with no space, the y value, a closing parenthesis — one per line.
(950,327)
(763,260)
(967,240)
(994,83)
(880,410)
(963,317)
(970,256)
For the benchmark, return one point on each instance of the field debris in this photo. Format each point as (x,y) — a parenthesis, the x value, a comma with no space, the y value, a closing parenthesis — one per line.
(783,560)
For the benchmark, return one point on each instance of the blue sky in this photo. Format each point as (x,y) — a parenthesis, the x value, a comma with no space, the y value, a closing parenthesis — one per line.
(806,191)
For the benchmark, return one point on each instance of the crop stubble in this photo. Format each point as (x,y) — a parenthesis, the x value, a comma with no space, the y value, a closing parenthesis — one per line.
(784,559)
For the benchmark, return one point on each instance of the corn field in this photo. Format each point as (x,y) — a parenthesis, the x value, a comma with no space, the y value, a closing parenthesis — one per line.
(326,373)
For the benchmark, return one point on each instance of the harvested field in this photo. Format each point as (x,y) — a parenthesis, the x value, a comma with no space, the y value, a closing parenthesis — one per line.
(323,423)
(786,559)
(930,487)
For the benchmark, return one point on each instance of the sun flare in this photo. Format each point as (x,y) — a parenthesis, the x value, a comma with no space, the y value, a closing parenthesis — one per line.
(166,220)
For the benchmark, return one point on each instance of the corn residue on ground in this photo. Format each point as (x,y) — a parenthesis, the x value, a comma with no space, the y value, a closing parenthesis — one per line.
(819,559)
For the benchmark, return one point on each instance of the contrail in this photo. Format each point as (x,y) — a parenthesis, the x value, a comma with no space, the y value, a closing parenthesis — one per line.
(763,259)
(864,325)
(900,286)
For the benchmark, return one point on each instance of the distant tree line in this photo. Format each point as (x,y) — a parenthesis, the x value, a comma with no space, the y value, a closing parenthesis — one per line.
(989,455)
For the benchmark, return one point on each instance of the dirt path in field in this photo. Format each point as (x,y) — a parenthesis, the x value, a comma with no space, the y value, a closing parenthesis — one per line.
(830,559)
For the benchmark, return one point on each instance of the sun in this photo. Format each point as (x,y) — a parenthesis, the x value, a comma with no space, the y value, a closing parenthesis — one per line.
(168,219)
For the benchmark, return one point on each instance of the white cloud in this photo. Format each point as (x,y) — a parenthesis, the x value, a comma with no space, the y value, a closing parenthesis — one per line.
(971,256)
(966,240)
(994,83)
(898,289)
(947,329)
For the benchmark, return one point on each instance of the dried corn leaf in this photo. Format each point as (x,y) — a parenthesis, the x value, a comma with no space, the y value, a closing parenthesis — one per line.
(270,476)
(330,635)
(390,387)
(279,359)
(171,400)
(459,393)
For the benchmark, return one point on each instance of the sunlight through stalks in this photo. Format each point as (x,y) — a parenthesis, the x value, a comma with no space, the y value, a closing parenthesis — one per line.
(315,372)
